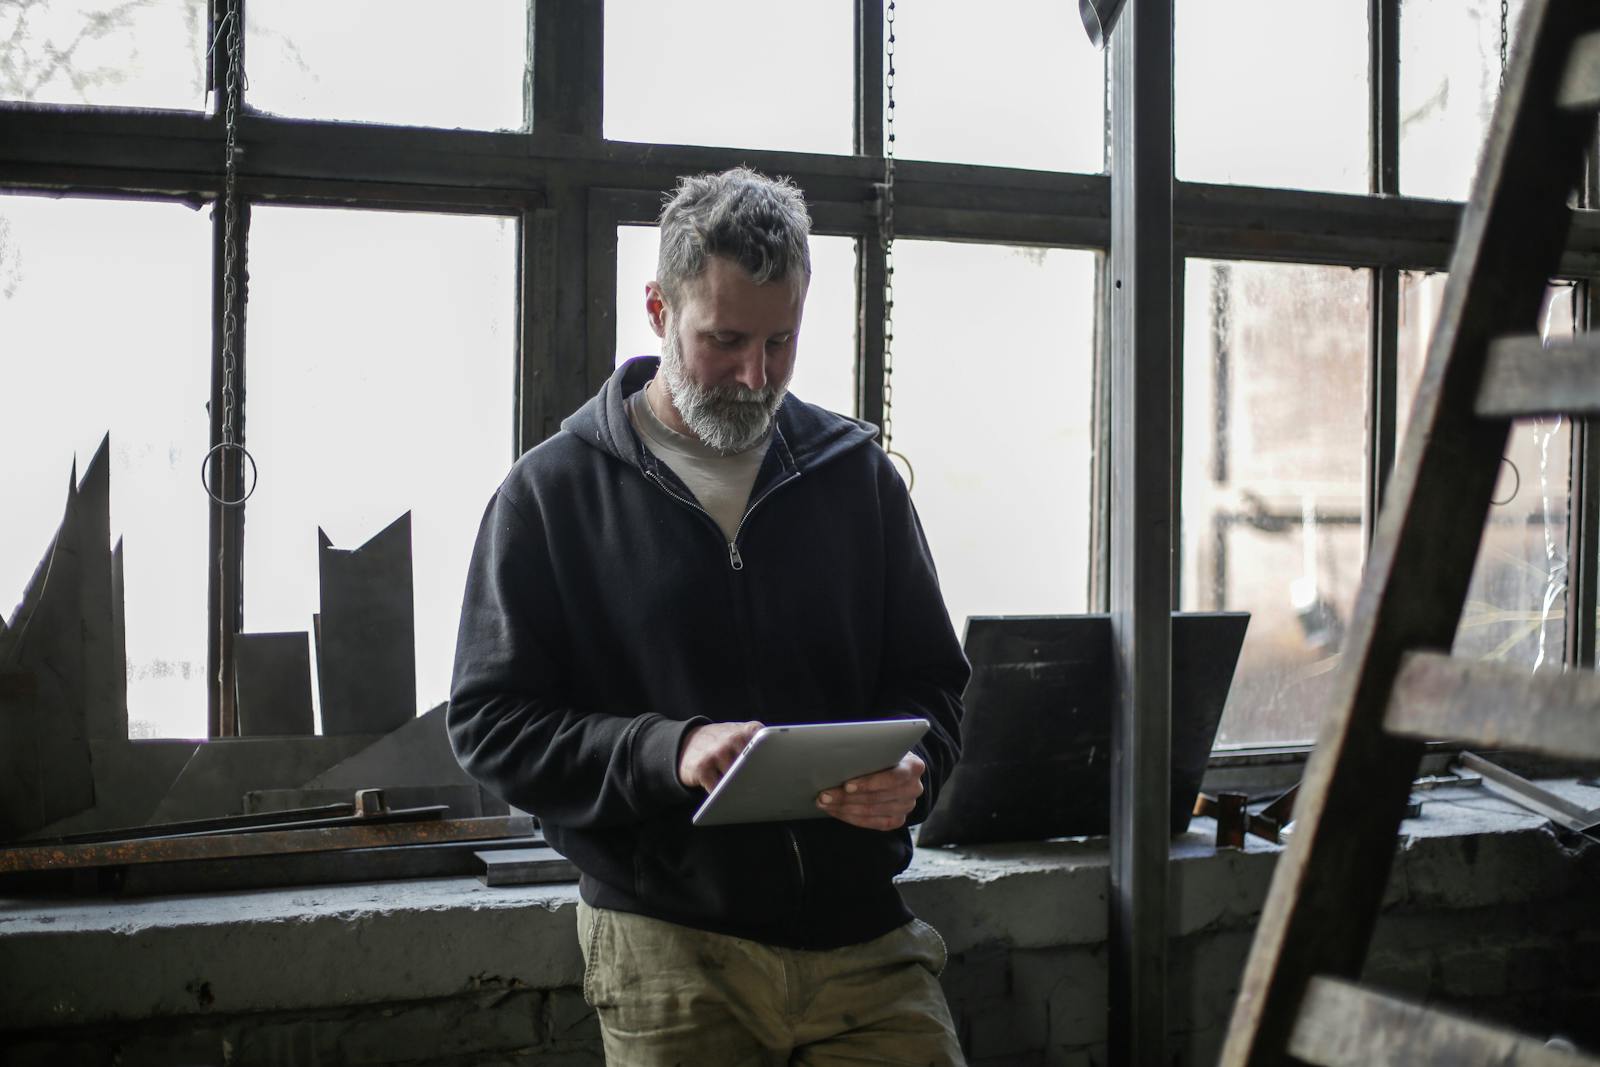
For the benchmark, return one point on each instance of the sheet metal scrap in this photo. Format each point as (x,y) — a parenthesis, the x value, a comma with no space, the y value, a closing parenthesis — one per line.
(366,642)
(44,744)
(360,833)
(272,681)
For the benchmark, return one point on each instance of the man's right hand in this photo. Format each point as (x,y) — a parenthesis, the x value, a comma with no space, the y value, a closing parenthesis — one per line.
(708,752)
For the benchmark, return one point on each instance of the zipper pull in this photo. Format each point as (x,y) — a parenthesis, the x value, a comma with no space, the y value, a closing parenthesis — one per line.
(735,560)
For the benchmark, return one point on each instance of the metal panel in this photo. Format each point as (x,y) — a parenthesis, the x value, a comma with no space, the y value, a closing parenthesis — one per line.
(273,674)
(1142,373)
(259,843)
(366,649)
(46,773)
(216,777)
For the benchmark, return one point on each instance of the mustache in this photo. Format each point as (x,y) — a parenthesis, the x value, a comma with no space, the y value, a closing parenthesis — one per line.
(735,393)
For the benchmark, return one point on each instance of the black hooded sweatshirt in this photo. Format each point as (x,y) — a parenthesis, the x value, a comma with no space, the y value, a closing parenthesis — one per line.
(605,614)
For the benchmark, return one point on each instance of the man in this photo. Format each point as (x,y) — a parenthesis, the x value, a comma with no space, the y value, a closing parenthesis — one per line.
(695,554)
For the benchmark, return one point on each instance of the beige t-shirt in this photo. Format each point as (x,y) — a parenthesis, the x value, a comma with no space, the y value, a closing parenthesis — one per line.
(720,483)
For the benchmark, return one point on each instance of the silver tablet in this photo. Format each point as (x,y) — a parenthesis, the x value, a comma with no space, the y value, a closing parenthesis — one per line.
(780,772)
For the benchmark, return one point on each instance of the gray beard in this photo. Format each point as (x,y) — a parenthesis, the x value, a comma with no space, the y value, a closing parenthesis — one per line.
(727,418)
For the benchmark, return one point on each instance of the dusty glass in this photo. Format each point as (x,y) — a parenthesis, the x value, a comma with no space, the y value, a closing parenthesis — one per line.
(105,326)
(1013,85)
(109,53)
(992,413)
(1449,82)
(825,364)
(381,371)
(1272,92)
(1515,610)
(389,61)
(1274,371)
(722,72)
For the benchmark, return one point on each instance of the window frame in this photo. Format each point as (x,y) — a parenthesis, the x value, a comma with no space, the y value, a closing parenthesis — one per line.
(569,188)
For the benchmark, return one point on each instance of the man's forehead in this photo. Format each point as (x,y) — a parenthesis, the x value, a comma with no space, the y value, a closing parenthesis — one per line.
(725,285)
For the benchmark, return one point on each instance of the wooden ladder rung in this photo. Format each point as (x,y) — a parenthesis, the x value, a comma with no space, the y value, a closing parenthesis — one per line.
(1441,697)
(1342,1024)
(1525,377)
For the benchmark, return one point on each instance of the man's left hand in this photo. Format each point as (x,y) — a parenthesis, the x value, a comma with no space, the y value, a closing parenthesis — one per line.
(879,801)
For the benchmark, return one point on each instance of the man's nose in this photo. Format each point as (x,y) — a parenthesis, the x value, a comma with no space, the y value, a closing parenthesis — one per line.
(752,371)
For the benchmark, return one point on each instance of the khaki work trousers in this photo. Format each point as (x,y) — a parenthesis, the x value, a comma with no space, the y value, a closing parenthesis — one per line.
(671,996)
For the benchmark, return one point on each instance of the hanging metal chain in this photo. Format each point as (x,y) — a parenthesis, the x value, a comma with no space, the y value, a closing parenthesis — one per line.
(230,258)
(886,228)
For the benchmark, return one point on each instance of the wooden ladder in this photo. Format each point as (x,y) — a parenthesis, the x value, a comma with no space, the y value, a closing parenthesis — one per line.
(1398,685)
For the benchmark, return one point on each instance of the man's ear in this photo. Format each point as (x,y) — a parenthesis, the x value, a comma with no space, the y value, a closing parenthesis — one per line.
(655,307)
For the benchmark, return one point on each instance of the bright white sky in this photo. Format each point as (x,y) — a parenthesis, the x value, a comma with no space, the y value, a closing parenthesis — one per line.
(103,305)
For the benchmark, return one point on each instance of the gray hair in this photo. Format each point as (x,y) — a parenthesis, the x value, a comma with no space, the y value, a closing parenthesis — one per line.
(758,222)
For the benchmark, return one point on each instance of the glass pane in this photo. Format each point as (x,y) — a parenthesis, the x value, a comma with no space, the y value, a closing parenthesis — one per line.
(1516,605)
(1272,92)
(395,61)
(993,414)
(112,53)
(1275,361)
(380,381)
(824,371)
(1449,81)
(106,310)
(1017,85)
(723,72)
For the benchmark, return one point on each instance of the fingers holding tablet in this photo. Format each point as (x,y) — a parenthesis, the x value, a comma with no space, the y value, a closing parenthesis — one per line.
(878,801)
(708,752)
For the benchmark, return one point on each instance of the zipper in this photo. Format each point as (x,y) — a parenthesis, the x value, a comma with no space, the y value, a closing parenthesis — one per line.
(799,861)
(735,560)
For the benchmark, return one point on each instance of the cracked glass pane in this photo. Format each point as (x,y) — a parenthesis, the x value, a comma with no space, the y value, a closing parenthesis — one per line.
(1515,610)
(381,380)
(391,61)
(107,53)
(105,326)
(1309,131)
(1275,362)
(726,72)
(1449,82)
(992,414)
(1017,85)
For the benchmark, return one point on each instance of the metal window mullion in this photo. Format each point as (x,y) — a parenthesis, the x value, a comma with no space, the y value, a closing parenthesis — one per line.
(1382,400)
(1141,370)
(1583,529)
(225,535)
(568,83)
(870,260)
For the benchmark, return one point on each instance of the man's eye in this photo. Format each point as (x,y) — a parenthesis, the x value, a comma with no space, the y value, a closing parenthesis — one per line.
(725,339)
(781,340)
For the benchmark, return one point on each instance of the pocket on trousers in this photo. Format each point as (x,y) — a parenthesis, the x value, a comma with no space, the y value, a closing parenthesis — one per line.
(938,952)
(591,951)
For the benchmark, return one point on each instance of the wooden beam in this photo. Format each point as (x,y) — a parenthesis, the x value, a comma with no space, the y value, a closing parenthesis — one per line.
(1141,368)
(1344,1025)
(1494,705)
(1327,886)
(1526,377)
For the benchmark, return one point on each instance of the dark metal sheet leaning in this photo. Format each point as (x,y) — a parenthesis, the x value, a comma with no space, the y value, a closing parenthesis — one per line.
(268,842)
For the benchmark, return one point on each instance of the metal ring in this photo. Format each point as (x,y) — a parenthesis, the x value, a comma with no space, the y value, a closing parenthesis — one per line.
(1516,485)
(911,472)
(254,474)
